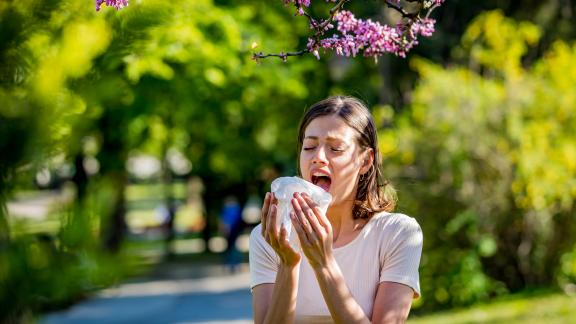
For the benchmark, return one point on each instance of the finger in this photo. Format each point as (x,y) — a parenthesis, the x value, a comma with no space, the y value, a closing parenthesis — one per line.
(302,219)
(299,230)
(272,214)
(273,241)
(272,222)
(283,236)
(272,228)
(264,212)
(311,217)
(284,241)
(322,220)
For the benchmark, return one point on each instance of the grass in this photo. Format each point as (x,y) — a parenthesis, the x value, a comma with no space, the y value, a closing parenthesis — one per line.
(546,308)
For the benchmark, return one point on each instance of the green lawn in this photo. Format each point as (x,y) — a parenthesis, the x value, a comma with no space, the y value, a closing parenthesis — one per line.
(548,309)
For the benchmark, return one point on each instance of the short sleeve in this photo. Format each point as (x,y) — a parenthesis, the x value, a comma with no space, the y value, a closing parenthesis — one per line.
(262,258)
(401,251)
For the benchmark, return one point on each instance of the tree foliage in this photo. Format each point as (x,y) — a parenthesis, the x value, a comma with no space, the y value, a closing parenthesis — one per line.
(150,79)
(491,147)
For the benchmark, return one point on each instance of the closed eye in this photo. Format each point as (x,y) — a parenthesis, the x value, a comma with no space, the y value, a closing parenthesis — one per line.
(333,149)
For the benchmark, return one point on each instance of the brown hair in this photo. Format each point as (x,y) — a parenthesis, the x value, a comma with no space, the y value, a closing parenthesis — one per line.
(375,194)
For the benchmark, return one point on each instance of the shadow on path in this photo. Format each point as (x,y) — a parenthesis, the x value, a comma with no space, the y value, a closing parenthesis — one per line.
(224,299)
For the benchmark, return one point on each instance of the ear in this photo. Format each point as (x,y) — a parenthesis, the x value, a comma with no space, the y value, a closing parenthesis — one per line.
(367,160)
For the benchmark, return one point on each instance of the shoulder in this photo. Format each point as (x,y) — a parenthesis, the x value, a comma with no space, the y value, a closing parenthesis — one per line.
(395,221)
(398,236)
(257,230)
(256,234)
(394,228)
(258,247)
(257,243)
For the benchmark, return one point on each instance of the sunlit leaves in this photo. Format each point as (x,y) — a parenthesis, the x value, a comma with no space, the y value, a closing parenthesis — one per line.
(520,116)
(69,57)
(499,43)
(494,140)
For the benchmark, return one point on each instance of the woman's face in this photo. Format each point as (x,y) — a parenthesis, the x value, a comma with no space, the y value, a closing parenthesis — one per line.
(331,157)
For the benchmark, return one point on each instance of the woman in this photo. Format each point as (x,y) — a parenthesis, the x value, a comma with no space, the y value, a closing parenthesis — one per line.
(358,263)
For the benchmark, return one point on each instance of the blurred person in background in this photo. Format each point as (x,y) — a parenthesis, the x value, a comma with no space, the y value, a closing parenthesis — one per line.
(232,225)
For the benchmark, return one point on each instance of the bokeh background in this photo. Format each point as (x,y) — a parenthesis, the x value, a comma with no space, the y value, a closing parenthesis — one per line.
(145,138)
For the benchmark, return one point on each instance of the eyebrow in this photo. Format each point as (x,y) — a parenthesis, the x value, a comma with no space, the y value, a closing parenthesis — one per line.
(329,138)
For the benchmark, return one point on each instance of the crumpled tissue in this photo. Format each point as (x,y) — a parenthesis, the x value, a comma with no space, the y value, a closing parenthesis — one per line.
(284,189)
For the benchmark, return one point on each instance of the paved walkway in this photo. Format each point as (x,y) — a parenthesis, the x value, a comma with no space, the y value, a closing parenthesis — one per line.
(220,298)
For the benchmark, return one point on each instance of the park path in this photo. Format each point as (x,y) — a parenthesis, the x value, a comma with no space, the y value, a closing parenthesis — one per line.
(215,297)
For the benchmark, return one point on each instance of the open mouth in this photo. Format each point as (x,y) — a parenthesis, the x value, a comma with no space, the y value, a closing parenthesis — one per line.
(322,180)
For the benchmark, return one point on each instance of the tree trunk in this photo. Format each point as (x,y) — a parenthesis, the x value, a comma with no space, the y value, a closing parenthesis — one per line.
(169,202)
(112,157)
(211,204)
(80,178)
(4,228)
(115,228)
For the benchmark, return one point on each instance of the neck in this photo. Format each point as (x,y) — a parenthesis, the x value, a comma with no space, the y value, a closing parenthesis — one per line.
(340,217)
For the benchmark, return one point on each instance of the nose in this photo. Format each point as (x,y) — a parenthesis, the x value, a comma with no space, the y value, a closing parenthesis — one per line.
(320,156)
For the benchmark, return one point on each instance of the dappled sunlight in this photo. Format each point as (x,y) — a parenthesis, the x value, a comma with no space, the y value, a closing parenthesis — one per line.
(217,299)
(215,284)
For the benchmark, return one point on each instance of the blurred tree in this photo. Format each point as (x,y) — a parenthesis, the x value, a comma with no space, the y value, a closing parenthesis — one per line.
(490,147)
(42,49)
(40,53)
(193,88)
(151,78)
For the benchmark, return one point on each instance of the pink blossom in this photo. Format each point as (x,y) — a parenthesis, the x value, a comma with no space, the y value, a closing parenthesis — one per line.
(424,27)
(305,3)
(347,35)
(118,4)
(373,38)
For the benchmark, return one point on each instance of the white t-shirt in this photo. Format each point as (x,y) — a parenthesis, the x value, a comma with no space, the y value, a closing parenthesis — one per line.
(388,248)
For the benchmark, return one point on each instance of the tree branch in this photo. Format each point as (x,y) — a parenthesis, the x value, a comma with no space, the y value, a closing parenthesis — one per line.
(302,11)
(320,29)
(257,56)
(404,13)
(333,11)
(431,9)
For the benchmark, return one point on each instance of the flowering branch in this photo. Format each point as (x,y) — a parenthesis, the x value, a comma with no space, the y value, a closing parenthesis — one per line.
(118,4)
(352,35)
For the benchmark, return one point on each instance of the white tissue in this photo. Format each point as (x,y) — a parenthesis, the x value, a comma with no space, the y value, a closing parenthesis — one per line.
(284,189)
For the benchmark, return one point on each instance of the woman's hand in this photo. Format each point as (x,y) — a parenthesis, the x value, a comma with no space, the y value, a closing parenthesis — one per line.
(278,239)
(314,230)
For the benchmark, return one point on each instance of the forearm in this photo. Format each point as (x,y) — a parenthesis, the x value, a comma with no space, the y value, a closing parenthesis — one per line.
(342,305)
(283,304)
